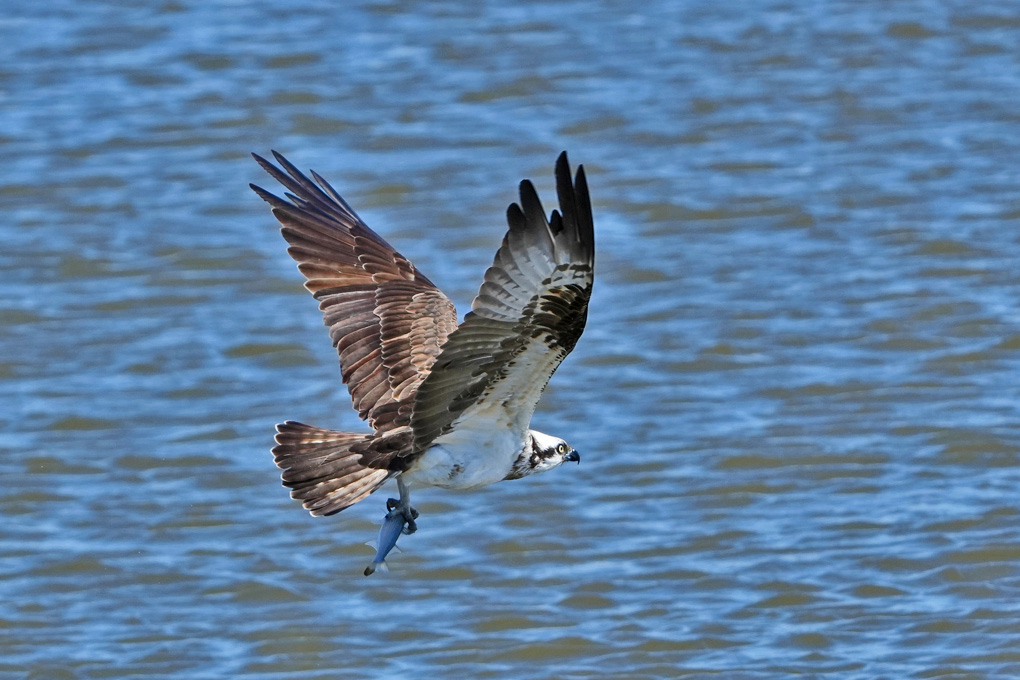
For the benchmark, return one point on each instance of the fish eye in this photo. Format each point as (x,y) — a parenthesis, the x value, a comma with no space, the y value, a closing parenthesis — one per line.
(561,448)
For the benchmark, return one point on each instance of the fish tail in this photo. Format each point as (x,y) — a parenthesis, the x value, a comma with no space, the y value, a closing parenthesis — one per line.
(381,566)
(322,469)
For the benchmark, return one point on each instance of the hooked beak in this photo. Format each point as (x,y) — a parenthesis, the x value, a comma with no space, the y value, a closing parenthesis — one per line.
(574,457)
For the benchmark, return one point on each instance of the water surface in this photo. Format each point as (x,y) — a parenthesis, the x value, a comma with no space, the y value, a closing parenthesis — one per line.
(796,399)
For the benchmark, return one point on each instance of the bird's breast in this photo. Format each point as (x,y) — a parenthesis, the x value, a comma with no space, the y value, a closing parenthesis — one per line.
(466,459)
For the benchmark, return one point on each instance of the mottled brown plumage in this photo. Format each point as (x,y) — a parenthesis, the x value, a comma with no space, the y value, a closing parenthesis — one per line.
(386,319)
(412,372)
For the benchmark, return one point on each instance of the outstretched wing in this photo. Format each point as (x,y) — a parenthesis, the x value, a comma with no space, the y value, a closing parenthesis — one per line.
(528,315)
(387,320)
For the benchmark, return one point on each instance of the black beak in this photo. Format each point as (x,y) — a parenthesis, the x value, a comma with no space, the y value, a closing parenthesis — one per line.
(574,457)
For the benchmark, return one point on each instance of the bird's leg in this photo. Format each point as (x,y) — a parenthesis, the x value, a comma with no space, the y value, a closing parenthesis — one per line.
(403,506)
(410,514)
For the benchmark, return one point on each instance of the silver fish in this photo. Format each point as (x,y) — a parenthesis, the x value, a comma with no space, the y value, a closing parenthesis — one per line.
(389,532)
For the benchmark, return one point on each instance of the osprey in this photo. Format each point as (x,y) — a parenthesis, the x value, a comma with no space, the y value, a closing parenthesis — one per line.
(449,404)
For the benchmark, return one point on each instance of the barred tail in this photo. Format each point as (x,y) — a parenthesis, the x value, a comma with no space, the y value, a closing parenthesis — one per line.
(321,469)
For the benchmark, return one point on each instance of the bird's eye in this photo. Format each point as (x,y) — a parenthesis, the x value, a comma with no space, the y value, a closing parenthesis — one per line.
(561,448)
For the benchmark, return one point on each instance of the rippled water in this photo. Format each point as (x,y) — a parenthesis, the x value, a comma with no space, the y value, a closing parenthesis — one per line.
(797,398)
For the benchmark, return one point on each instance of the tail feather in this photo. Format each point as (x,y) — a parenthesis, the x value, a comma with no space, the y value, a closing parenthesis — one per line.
(322,470)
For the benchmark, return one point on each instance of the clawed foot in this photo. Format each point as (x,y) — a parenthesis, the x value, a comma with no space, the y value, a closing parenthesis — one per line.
(410,514)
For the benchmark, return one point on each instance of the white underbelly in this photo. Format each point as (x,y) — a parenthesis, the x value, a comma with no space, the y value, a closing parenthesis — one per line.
(466,459)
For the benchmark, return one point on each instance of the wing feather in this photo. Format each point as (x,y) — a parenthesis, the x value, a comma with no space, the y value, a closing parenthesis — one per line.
(528,314)
(386,319)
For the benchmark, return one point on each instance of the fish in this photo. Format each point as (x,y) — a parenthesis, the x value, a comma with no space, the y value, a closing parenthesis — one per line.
(393,526)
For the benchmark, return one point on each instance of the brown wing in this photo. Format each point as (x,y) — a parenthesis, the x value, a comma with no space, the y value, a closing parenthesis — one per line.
(386,319)
(528,315)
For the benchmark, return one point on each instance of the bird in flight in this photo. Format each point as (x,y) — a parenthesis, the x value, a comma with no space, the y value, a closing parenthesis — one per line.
(449,404)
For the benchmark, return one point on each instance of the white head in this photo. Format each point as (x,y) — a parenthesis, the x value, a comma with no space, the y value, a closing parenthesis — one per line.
(542,452)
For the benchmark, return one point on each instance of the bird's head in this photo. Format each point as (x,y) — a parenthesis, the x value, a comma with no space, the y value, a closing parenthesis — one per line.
(542,452)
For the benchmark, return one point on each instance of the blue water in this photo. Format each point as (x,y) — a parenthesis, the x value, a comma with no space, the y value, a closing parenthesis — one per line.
(797,397)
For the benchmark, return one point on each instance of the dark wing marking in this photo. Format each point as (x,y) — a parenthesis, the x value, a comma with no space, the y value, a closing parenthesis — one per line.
(386,319)
(526,318)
